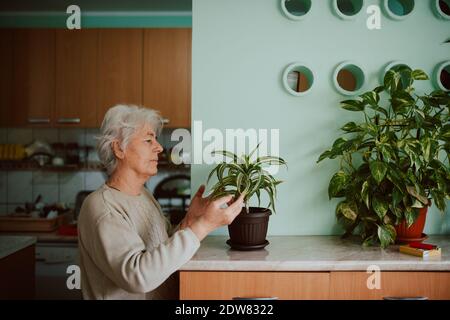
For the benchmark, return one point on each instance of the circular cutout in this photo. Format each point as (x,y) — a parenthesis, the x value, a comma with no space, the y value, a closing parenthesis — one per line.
(298,79)
(347,9)
(442,8)
(349,78)
(396,66)
(296,9)
(442,76)
(399,9)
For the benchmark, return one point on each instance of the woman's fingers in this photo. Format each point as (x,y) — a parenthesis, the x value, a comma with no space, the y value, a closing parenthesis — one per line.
(238,203)
(223,200)
(200,191)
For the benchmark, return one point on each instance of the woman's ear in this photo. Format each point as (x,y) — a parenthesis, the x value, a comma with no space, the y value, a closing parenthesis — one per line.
(118,152)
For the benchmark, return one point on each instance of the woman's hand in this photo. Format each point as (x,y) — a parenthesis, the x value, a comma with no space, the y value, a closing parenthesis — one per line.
(197,207)
(206,215)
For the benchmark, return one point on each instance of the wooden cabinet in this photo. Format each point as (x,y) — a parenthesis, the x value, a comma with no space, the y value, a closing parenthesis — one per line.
(17,274)
(119,68)
(76,83)
(6,61)
(167,74)
(61,78)
(351,285)
(229,285)
(33,77)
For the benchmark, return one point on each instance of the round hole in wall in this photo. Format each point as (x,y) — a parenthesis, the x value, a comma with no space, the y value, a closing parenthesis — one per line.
(399,9)
(397,66)
(442,76)
(296,9)
(298,79)
(347,9)
(348,78)
(442,8)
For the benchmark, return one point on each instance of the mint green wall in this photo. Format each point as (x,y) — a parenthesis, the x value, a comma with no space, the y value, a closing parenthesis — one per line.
(97,21)
(240,50)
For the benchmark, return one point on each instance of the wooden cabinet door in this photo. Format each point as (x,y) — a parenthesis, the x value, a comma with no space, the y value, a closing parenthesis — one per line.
(17,275)
(6,61)
(167,74)
(353,285)
(195,285)
(76,69)
(119,68)
(33,77)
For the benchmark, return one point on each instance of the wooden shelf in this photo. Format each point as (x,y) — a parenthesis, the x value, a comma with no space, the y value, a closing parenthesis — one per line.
(11,165)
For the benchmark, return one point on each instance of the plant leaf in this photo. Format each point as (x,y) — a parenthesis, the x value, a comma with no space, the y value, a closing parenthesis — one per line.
(411,215)
(419,75)
(378,170)
(380,206)
(412,191)
(352,105)
(371,97)
(365,194)
(337,183)
(347,210)
(386,234)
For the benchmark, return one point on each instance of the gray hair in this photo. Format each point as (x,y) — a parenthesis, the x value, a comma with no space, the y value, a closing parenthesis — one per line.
(120,123)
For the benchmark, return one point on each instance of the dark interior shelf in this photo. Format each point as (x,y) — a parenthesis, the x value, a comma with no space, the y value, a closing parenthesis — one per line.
(14,165)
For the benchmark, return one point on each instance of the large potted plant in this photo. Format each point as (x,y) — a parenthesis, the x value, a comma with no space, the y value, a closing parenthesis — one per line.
(243,175)
(394,162)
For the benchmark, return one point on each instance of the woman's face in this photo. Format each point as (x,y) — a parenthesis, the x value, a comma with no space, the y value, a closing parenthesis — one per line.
(141,153)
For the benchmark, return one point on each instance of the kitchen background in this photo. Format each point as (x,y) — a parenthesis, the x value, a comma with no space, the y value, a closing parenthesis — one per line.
(19,186)
(55,86)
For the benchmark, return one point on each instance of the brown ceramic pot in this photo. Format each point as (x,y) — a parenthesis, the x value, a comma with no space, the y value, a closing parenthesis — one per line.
(250,229)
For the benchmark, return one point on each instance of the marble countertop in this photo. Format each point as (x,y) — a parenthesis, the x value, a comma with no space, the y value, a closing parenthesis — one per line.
(51,236)
(313,253)
(12,244)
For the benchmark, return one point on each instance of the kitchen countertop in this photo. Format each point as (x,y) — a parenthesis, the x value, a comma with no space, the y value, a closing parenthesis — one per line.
(52,236)
(313,253)
(12,244)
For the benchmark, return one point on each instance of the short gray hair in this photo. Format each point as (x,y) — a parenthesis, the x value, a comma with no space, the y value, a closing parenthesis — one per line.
(120,123)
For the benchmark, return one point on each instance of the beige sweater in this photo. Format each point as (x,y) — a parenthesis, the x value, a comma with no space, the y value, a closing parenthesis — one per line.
(127,250)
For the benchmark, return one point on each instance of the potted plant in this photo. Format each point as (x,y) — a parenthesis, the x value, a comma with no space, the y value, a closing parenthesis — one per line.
(243,175)
(394,161)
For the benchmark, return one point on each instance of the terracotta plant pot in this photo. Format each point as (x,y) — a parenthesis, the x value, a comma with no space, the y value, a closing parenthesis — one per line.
(248,230)
(415,231)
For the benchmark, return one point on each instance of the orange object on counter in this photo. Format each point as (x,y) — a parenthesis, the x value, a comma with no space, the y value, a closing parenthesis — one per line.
(68,230)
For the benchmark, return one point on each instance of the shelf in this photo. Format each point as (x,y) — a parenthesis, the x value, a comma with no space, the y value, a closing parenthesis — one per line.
(298,79)
(349,78)
(442,8)
(442,75)
(11,165)
(399,9)
(347,9)
(296,9)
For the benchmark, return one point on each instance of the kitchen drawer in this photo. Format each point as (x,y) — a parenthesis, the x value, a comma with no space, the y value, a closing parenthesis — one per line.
(228,285)
(353,285)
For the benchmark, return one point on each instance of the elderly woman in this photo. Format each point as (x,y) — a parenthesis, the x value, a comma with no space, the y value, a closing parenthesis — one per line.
(127,248)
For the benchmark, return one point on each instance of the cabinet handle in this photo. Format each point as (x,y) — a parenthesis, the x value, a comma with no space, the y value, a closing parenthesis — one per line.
(405,298)
(255,298)
(69,120)
(38,120)
(165,121)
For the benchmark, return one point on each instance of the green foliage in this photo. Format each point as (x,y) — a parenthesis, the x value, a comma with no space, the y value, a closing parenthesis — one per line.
(242,175)
(404,144)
